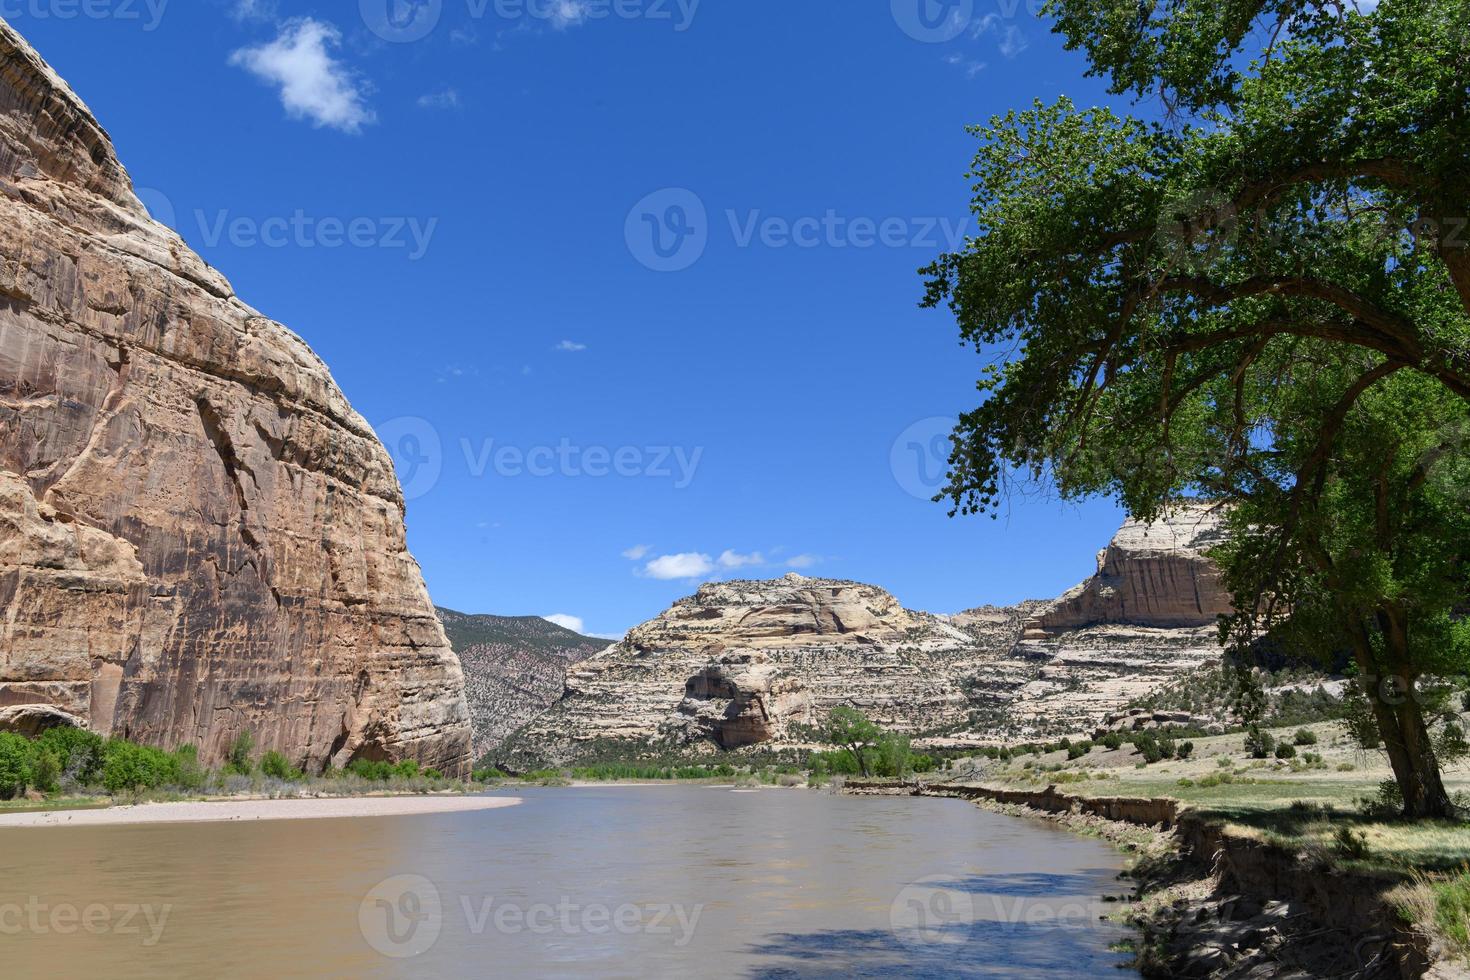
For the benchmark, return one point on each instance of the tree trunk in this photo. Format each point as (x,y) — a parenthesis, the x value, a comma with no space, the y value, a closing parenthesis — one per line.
(1401,723)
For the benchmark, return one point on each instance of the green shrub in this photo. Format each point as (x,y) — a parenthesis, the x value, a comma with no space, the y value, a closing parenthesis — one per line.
(433,774)
(1350,843)
(46,771)
(15,765)
(1386,804)
(407,769)
(1305,736)
(1259,744)
(1112,741)
(126,766)
(240,754)
(275,764)
(1186,750)
(78,751)
(1286,750)
(1078,750)
(190,774)
(488,775)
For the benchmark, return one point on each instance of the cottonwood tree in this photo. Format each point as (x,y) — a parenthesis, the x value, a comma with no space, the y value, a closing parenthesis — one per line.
(1263,298)
(851,729)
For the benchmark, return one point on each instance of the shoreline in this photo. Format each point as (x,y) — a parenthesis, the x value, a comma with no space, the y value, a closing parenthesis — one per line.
(231,811)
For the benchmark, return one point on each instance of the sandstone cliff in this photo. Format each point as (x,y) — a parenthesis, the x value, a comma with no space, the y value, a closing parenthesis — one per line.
(742,663)
(760,663)
(1151,575)
(198,535)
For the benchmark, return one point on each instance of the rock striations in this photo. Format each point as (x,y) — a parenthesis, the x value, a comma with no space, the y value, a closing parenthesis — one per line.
(748,663)
(198,535)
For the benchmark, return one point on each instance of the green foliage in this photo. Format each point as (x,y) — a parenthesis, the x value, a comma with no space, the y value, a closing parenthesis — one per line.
(1452,911)
(1351,843)
(278,766)
(240,754)
(1259,304)
(126,766)
(15,765)
(894,756)
(1112,741)
(433,774)
(1386,804)
(489,774)
(1304,736)
(1186,749)
(46,770)
(1285,750)
(1259,744)
(850,728)
(78,751)
(1078,750)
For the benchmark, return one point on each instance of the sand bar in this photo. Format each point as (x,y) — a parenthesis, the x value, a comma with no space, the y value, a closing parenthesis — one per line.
(224,811)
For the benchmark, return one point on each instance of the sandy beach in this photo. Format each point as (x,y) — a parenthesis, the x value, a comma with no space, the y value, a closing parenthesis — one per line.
(225,811)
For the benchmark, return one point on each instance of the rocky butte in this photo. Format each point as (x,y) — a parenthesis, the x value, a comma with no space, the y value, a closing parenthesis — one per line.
(198,535)
(760,663)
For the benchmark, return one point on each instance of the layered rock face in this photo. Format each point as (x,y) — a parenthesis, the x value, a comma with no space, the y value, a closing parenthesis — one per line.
(747,663)
(1152,575)
(740,663)
(198,535)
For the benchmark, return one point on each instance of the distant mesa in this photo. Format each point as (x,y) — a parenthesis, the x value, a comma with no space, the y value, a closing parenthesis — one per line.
(760,663)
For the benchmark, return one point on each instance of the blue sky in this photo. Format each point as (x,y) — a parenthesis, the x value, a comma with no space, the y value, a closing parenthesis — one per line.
(628,286)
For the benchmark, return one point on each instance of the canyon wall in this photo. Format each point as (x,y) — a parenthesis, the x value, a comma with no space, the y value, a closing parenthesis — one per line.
(198,535)
(763,663)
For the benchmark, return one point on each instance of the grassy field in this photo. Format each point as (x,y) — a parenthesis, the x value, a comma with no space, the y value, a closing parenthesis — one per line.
(1292,803)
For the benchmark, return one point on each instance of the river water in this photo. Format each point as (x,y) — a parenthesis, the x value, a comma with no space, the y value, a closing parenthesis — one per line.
(616,881)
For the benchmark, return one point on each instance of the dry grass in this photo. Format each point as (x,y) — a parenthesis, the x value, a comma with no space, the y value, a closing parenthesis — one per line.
(1441,906)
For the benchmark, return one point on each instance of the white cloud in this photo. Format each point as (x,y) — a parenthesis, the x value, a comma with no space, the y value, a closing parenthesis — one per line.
(253,10)
(570,346)
(447,99)
(569,13)
(802,561)
(670,567)
(637,552)
(314,85)
(732,560)
(1014,41)
(984,25)
(573,623)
